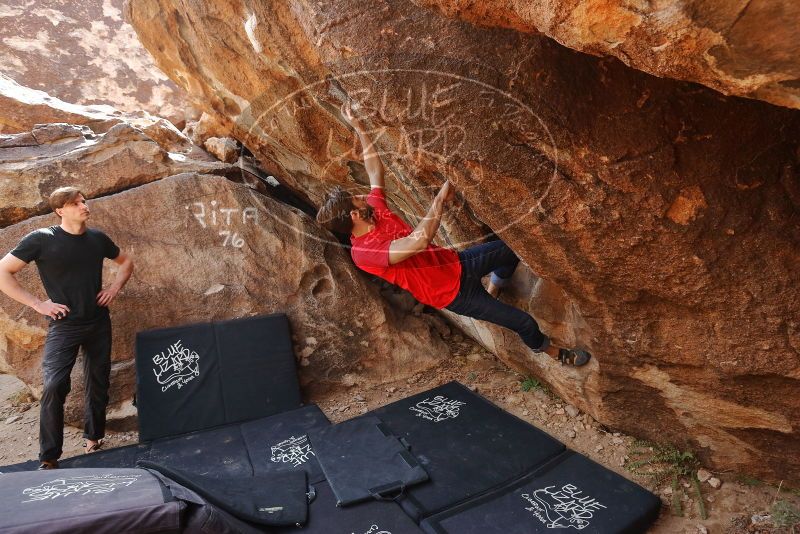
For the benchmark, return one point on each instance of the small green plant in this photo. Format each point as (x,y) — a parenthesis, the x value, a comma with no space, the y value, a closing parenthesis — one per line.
(472,377)
(664,461)
(785,514)
(531,384)
(660,461)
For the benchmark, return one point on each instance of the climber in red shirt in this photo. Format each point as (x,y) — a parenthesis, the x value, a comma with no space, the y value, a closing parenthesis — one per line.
(384,245)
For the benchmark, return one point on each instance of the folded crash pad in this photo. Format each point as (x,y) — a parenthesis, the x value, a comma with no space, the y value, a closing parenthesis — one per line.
(467,445)
(571,492)
(87,500)
(275,499)
(121,501)
(362,460)
(200,376)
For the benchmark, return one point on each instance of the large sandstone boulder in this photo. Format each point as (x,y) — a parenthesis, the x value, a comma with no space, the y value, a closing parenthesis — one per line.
(205,249)
(738,47)
(35,163)
(658,216)
(84,52)
(22,108)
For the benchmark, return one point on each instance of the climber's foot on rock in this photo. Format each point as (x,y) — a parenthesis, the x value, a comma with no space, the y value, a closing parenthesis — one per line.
(573,357)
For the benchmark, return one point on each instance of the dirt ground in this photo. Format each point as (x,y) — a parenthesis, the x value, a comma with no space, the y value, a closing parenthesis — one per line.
(739,505)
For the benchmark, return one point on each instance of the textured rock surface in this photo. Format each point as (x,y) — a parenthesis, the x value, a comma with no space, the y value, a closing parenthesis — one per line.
(660,216)
(223,148)
(35,163)
(83,52)
(205,127)
(205,249)
(739,47)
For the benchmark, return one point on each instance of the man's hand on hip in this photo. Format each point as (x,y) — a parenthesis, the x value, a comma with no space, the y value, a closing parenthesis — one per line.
(51,309)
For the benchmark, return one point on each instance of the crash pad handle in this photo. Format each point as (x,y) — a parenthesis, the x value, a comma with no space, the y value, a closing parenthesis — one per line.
(388,492)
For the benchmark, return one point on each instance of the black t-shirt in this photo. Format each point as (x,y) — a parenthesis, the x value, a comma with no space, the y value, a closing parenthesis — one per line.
(71,267)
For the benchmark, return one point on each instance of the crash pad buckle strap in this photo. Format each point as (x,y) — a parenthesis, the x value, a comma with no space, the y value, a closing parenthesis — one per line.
(408,458)
(311,494)
(388,492)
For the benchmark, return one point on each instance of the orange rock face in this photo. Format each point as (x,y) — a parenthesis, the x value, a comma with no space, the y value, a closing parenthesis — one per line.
(659,217)
(740,47)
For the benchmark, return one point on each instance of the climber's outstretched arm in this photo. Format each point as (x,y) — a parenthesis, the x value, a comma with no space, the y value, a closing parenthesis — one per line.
(372,161)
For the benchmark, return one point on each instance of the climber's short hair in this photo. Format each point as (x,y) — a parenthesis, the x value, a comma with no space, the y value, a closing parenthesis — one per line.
(335,212)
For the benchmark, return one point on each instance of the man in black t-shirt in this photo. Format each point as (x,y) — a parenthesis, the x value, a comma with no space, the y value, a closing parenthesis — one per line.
(69,258)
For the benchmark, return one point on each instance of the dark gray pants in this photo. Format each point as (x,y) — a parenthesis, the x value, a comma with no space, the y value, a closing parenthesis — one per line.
(60,351)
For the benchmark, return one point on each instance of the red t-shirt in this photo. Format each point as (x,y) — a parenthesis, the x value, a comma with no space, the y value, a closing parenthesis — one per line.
(433,276)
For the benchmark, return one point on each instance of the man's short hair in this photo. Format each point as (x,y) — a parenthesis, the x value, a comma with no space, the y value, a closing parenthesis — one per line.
(64,195)
(335,212)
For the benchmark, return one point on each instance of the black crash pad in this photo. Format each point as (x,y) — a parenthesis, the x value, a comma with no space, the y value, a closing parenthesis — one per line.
(280,443)
(369,517)
(29,465)
(265,446)
(363,460)
(217,452)
(571,492)
(274,444)
(467,445)
(205,375)
(118,457)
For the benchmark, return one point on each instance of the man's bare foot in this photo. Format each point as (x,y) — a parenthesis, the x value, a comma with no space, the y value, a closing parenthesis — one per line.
(92,445)
(47,464)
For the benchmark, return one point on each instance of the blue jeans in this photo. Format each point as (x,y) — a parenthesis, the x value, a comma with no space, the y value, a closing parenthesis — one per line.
(473,301)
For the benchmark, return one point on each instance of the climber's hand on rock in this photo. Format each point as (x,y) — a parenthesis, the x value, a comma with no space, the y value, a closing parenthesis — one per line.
(349,116)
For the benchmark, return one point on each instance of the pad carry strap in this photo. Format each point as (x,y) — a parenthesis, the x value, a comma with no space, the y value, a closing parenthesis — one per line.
(388,492)
(408,458)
